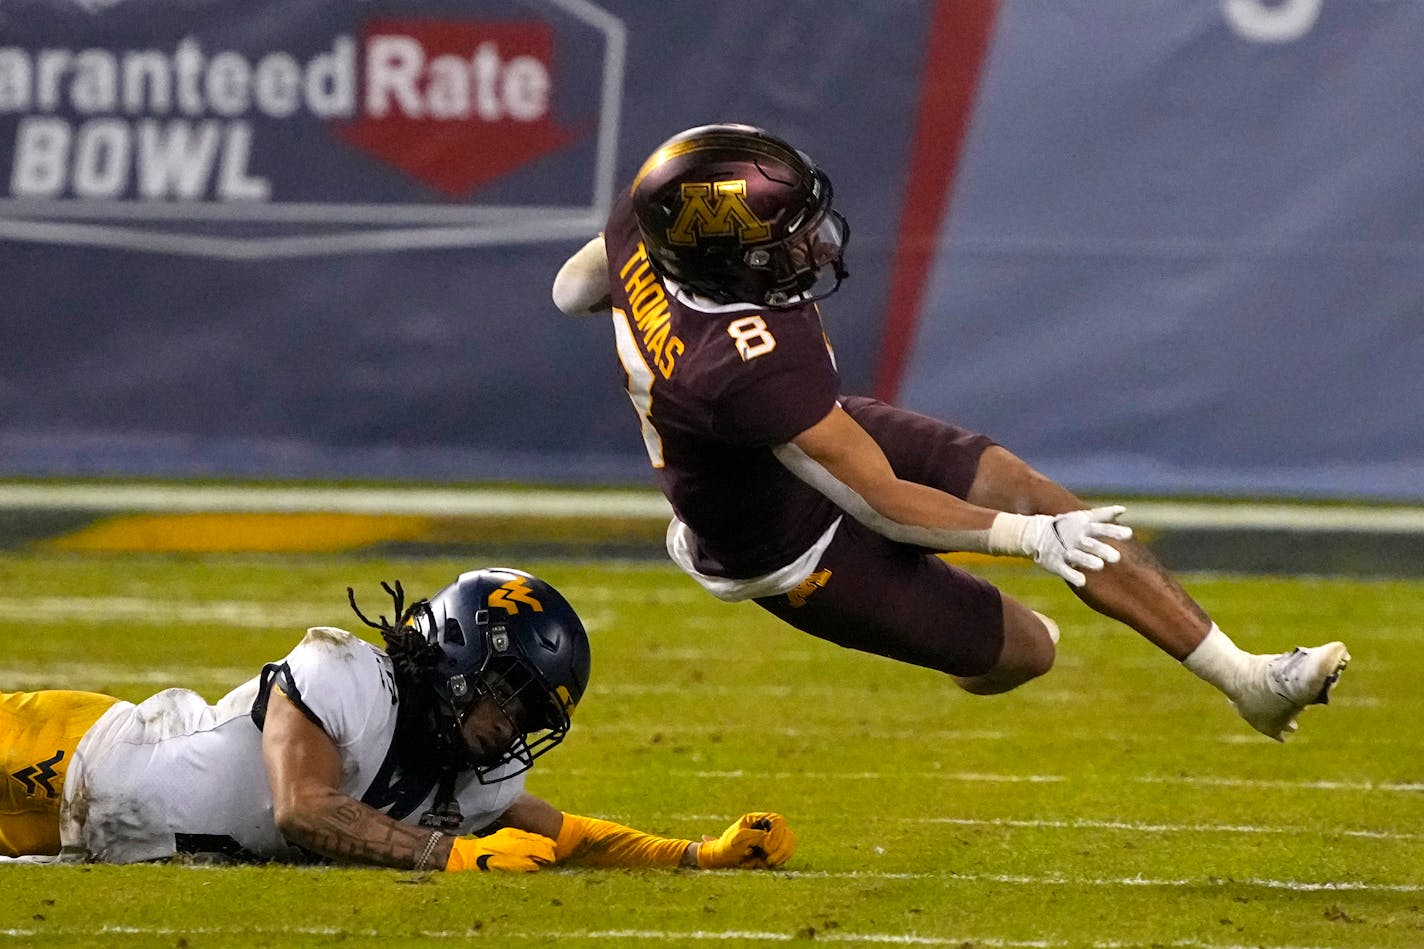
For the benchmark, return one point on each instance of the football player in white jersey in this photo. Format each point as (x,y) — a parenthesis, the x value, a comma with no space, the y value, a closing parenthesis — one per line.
(342,751)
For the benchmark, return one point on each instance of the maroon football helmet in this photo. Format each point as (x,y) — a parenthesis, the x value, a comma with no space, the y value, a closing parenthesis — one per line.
(734,213)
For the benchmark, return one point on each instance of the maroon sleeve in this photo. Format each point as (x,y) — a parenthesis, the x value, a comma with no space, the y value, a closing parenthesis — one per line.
(781,393)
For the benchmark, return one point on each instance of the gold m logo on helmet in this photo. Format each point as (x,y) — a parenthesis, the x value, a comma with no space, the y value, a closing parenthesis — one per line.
(510,595)
(716,210)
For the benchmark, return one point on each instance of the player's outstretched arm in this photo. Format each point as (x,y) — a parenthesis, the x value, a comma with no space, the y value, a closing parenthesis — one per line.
(759,840)
(841,460)
(304,771)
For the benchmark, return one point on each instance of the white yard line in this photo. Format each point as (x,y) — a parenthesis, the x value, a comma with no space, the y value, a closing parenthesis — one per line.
(1146,828)
(95,674)
(123,609)
(635,503)
(1058,879)
(415,501)
(1136,827)
(1405,787)
(288,612)
(1411,787)
(554,936)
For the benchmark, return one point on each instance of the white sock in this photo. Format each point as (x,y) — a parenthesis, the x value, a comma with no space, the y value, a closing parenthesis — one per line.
(1220,661)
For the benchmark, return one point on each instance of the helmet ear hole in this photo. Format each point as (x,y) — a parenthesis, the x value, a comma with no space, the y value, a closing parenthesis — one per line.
(454,632)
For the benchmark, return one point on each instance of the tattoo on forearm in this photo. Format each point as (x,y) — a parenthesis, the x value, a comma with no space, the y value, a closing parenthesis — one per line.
(351,831)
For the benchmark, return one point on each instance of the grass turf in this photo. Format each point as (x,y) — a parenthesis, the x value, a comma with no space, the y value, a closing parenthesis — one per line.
(1116,802)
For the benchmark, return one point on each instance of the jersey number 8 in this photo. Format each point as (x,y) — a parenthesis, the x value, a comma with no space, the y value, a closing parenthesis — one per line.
(752,337)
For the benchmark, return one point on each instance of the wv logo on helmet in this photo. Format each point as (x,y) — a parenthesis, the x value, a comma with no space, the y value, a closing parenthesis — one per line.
(510,595)
(717,209)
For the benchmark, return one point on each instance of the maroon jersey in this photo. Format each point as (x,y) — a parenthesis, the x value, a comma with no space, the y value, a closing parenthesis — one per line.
(716,389)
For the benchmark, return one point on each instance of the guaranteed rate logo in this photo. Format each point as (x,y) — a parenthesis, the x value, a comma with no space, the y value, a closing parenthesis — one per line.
(415,116)
(457,104)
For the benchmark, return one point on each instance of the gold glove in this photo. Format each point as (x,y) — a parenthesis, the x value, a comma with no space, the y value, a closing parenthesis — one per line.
(758,840)
(510,849)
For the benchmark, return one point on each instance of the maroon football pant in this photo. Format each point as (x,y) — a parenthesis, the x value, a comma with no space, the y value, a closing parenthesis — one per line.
(895,600)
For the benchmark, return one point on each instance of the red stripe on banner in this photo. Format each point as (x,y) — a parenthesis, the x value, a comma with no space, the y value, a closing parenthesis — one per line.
(958,41)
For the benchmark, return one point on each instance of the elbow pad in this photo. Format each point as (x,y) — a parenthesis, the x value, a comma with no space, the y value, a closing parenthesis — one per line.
(581,286)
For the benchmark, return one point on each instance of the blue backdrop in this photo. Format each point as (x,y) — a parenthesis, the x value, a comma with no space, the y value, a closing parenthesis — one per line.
(1177,247)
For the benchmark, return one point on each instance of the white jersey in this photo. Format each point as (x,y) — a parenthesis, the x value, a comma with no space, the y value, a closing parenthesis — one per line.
(173,774)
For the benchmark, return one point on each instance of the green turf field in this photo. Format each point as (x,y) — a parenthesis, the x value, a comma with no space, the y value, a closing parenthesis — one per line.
(1117,802)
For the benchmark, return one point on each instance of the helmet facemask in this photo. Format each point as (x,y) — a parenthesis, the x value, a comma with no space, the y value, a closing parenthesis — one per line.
(529,708)
(807,266)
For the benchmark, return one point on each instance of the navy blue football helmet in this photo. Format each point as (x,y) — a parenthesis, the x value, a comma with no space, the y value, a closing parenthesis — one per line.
(507,634)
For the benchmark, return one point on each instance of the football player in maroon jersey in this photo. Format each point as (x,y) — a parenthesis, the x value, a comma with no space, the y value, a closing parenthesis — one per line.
(828,509)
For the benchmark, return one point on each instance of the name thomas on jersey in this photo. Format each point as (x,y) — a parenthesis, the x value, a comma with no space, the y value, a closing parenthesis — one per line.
(649,304)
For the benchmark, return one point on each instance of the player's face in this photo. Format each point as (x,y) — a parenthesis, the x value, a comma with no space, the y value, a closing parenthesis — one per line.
(489,726)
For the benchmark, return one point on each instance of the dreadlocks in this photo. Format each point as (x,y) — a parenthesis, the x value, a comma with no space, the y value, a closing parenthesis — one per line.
(412,656)
(413,659)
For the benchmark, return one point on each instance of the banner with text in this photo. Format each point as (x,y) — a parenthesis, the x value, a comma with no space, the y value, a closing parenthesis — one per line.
(1167,246)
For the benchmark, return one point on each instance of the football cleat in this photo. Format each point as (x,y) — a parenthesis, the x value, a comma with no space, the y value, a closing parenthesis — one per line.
(1285,684)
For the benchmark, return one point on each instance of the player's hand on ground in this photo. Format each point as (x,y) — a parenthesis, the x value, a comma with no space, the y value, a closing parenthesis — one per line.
(508,848)
(756,841)
(1068,544)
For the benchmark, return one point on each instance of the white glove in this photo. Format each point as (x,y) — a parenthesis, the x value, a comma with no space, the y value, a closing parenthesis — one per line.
(1064,545)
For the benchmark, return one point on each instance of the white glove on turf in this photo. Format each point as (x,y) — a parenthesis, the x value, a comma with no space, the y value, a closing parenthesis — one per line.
(1065,544)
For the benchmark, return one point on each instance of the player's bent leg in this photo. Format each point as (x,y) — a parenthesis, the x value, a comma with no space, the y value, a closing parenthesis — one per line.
(1028,652)
(1137,591)
(38,734)
(1268,691)
(872,594)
